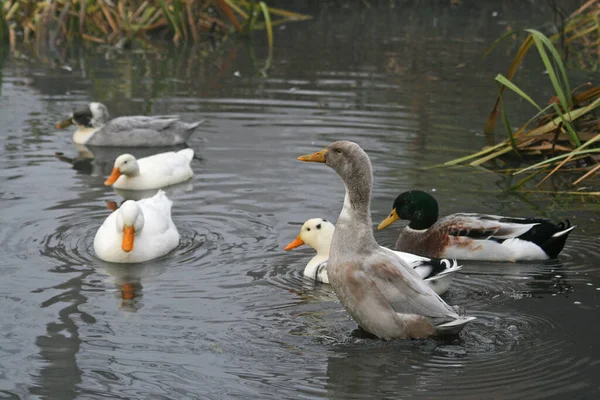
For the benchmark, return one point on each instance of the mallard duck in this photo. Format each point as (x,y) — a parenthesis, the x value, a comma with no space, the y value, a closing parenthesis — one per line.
(318,232)
(137,231)
(152,172)
(95,129)
(378,289)
(473,236)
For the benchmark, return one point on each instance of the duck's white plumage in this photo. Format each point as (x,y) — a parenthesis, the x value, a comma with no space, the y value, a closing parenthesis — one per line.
(318,233)
(155,233)
(154,172)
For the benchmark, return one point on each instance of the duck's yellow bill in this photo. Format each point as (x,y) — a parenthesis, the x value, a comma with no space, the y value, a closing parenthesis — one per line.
(393,217)
(296,243)
(113,177)
(65,123)
(319,156)
(128,235)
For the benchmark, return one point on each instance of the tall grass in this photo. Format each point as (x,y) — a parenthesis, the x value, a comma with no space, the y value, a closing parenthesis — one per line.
(112,21)
(564,133)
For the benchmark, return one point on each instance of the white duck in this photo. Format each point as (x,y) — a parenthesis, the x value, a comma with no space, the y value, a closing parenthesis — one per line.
(138,231)
(378,289)
(95,128)
(152,172)
(318,233)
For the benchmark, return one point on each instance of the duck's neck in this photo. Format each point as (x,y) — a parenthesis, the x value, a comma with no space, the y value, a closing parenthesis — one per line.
(83,134)
(354,228)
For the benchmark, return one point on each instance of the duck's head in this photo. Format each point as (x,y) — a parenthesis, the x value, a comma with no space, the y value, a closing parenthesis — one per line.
(125,164)
(352,164)
(348,159)
(94,115)
(317,233)
(130,221)
(416,206)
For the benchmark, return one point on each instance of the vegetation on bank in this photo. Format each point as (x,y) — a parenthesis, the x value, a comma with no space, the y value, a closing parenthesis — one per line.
(115,21)
(562,135)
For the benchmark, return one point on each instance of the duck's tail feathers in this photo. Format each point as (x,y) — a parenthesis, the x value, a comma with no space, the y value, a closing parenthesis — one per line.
(160,201)
(194,125)
(554,245)
(189,129)
(187,153)
(440,267)
(550,237)
(453,327)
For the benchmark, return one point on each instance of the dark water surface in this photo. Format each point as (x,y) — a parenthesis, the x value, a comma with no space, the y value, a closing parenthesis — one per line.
(228,314)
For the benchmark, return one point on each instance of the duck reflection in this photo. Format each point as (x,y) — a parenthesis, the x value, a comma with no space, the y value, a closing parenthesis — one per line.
(129,281)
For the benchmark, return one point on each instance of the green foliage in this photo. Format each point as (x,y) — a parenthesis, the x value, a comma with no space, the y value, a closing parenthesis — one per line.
(556,127)
(103,21)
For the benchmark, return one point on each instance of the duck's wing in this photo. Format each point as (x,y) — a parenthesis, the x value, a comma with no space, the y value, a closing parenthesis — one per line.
(404,290)
(484,226)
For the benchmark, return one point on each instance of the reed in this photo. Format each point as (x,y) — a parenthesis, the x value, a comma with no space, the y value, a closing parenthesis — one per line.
(564,134)
(112,21)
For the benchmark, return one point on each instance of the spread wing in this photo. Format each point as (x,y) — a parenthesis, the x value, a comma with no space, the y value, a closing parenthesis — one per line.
(484,226)
(404,290)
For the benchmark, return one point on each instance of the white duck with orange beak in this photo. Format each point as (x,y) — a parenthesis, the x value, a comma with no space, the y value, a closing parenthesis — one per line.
(138,231)
(154,172)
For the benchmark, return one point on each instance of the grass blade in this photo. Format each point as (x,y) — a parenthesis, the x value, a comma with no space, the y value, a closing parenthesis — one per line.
(550,160)
(268,25)
(490,124)
(503,80)
(551,73)
(589,173)
(557,59)
(566,123)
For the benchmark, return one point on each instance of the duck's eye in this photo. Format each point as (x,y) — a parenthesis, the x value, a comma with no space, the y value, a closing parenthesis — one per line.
(308,229)
(319,226)
(338,151)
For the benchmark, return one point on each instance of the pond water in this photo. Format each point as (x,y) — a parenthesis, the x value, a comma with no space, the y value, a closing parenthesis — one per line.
(228,313)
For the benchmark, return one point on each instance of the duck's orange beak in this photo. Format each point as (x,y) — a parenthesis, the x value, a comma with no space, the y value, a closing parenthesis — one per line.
(296,243)
(113,177)
(128,236)
(65,123)
(319,156)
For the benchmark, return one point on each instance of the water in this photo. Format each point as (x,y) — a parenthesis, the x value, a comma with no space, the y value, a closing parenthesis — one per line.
(228,314)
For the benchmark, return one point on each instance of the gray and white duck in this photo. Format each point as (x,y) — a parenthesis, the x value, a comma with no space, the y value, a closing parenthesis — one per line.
(95,128)
(379,290)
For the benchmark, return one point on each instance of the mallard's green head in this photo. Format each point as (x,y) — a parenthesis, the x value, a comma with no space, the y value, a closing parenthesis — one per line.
(416,206)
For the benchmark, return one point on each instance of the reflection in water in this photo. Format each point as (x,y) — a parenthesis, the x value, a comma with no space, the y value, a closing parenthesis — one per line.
(129,281)
(60,376)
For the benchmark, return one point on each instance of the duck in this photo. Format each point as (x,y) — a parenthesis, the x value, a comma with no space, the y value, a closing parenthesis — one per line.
(153,172)
(471,236)
(95,128)
(377,288)
(318,232)
(137,231)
